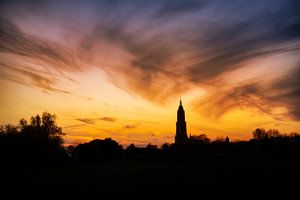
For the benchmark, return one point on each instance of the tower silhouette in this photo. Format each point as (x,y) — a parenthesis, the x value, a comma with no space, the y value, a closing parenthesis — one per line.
(181,137)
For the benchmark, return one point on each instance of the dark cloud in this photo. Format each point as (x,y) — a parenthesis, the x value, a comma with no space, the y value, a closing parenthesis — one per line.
(93,120)
(229,60)
(221,100)
(284,92)
(179,7)
(288,93)
(30,78)
(74,126)
(18,43)
(215,44)
(253,32)
(108,119)
(150,65)
(86,120)
(130,126)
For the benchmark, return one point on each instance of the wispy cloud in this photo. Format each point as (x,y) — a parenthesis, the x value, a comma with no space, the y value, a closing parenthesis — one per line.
(19,43)
(31,78)
(86,120)
(130,126)
(108,119)
(74,126)
(93,120)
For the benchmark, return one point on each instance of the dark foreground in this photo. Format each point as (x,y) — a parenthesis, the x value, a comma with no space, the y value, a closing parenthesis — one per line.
(250,173)
(33,161)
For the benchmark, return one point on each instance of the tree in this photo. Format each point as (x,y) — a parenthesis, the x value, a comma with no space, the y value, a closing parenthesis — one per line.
(294,134)
(36,121)
(42,130)
(219,140)
(131,147)
(39,140)
(151,146)
(49,125)
(10,129)
(2,130)
(199,139)
(23,123)
(227,140)
(165,147)
(259,134)
(97,150)
(272,133)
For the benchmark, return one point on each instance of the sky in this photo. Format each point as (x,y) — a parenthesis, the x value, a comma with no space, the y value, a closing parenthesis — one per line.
(118,68)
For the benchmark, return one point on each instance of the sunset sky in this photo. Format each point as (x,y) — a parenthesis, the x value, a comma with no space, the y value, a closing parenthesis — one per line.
(118,68)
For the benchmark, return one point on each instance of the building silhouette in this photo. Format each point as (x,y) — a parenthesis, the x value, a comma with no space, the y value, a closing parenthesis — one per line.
(181,137)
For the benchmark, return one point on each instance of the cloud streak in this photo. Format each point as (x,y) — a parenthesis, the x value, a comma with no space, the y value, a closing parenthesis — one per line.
(30,78)
(130,126)
(22,44)
(86,120)
(93,120)
(108,119)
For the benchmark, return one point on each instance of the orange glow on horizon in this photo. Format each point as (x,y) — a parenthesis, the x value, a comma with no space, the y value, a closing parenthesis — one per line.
(95,111)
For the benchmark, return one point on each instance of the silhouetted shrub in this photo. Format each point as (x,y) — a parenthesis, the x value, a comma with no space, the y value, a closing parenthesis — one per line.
(166,148)
(97,150)
(38,141)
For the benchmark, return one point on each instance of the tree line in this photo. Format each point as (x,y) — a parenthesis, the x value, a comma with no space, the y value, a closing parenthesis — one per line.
(40,140)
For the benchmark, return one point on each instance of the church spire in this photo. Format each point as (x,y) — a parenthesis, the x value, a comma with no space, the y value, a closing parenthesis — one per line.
(181,135)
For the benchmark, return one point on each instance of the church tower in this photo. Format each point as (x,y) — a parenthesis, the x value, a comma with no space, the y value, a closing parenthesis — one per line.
(181,137)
